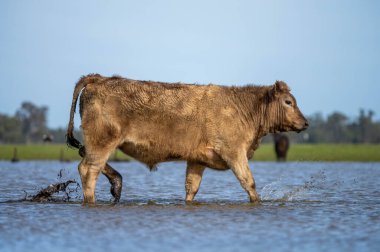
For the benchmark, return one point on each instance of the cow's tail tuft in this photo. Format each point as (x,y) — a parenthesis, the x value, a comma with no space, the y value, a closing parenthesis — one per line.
(81,84)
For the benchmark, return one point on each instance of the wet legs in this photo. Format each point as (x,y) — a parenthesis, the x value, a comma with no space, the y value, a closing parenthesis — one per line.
(194,174)
(242,172)
(115,180)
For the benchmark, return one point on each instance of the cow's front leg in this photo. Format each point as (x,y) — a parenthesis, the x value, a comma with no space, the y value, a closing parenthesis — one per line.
(194,174)
(242,172)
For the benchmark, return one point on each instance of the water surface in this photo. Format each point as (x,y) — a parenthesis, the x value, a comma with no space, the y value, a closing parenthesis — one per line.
(306,206)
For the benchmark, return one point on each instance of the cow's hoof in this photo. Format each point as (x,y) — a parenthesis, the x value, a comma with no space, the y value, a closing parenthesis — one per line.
(189,202)
(255,202)
(89,204)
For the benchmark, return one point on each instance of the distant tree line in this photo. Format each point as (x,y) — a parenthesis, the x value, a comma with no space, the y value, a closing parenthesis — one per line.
(339,128)
(29,125)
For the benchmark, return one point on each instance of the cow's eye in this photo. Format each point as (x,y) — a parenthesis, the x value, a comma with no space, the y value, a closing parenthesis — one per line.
(288,102)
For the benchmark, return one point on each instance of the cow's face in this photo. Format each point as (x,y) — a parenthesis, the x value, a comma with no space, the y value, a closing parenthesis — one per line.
(287,115)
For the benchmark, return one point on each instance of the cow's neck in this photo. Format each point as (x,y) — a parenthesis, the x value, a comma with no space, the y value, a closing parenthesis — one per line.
(255,100)
(264,122)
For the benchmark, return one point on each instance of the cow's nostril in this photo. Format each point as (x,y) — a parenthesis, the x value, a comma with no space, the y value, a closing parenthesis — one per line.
(306,124)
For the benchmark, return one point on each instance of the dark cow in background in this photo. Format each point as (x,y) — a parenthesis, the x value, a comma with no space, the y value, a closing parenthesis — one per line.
(281,146)
(210,126)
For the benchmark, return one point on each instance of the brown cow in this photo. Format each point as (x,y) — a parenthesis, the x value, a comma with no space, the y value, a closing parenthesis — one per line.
(207,125)
(281,146)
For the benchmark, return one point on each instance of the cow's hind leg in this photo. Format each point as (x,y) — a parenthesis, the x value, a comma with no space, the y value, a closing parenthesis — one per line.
(194,174)
(112,175)
(115,180)
(89,170)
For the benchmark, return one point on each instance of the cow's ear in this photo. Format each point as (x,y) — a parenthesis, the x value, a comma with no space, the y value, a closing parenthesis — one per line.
(280,87)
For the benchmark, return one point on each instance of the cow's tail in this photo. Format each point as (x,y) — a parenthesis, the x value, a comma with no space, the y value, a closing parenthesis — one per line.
(81,84)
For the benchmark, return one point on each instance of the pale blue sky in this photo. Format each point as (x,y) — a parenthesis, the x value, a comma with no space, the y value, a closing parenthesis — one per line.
(327,51)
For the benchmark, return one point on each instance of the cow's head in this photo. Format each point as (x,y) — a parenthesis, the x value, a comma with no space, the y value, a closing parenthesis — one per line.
(284,114)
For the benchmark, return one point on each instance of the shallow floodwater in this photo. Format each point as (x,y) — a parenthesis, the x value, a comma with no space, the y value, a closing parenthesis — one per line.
(306,207)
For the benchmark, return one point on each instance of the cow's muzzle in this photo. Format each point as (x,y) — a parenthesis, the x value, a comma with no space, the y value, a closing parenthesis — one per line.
(302,127)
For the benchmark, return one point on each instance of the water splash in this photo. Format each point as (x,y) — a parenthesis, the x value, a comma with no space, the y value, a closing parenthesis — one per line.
(274,190)
(278,191)
(68,187)
(46,194)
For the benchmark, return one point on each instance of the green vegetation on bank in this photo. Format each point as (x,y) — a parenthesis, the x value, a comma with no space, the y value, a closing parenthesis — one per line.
(323,152)
(45,152)
(297,152)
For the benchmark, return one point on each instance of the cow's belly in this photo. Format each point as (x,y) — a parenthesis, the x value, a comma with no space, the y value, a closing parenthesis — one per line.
(149,155)
(152,142)
(152,155)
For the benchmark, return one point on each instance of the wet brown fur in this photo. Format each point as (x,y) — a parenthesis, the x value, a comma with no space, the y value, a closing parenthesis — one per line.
(207,125)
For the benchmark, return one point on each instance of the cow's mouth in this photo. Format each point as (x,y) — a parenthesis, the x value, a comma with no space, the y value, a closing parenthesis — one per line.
(299,129)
